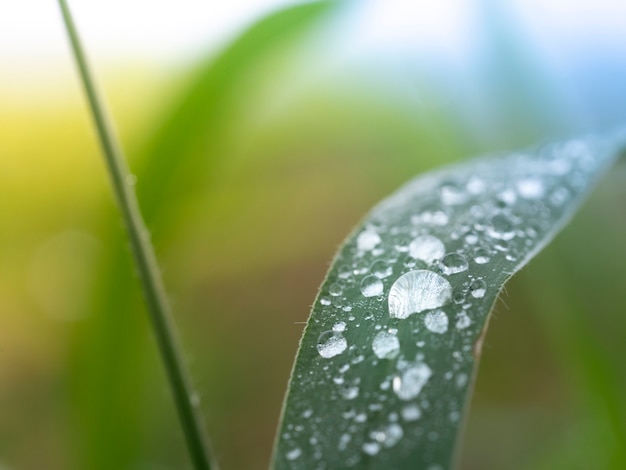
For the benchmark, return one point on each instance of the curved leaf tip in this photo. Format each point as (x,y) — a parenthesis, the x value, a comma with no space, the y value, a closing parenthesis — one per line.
(384,371)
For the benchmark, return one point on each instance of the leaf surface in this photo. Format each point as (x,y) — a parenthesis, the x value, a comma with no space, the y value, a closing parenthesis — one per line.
(385,368)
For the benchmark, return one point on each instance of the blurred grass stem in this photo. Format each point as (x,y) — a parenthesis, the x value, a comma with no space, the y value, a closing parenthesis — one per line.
(145,260)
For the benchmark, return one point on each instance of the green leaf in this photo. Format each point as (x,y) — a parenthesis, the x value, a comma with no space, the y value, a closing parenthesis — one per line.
(385,368)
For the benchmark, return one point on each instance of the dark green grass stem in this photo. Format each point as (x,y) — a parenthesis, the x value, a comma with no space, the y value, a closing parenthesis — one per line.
(145,260)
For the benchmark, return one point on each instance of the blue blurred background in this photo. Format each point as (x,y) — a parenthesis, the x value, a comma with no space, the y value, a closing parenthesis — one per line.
(260,132)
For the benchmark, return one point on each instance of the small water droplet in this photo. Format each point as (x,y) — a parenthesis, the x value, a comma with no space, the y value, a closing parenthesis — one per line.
(453,263)
(451,194)
(461,380)
(371,286)
(344,440)
(294,454)
(559,197)
(350,393)
(339,326)
(367,240)
(411,413)
(371,448)
(501,228)
(331,344)
(471,238)
(427,248)
(462,320)
(325,301)
(388,436)
(530,188)
(409,385)
(477,288)
(335,289)
(458,296)
(436,321)
(417,291)
(306,414)
(476,185)
(381,269)
(386,345)
(481,256)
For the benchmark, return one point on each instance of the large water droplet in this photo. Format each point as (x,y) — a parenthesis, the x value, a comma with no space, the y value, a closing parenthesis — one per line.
(386,345)
(427,248)
(409,385)
(436,321)
(371,286)
(417,291)
(367,240)
(453,263)
(331,344)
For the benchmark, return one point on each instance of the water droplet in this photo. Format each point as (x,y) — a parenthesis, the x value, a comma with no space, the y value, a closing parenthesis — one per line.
(306,414)
(481,256)
(331,344)
(477,288)
(294,454)
(335,289)
(325,301)
(344,440)
(508,197)
(367,240)
(381,269)
(371,286)
(371,448)
(339,326)
(559,197)
(427,248)
(530,188)
(462,320)
(471,238)
(451,194)
(411,413)
(461,380)
(436,321)
(458,296)
(453,263)
(476,185)
(417,291)
(386,345)
(389,435)
(409,385)
(501,228)
(350,393)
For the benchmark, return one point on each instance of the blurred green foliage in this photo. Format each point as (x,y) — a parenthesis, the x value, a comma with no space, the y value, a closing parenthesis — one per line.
(250,170)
